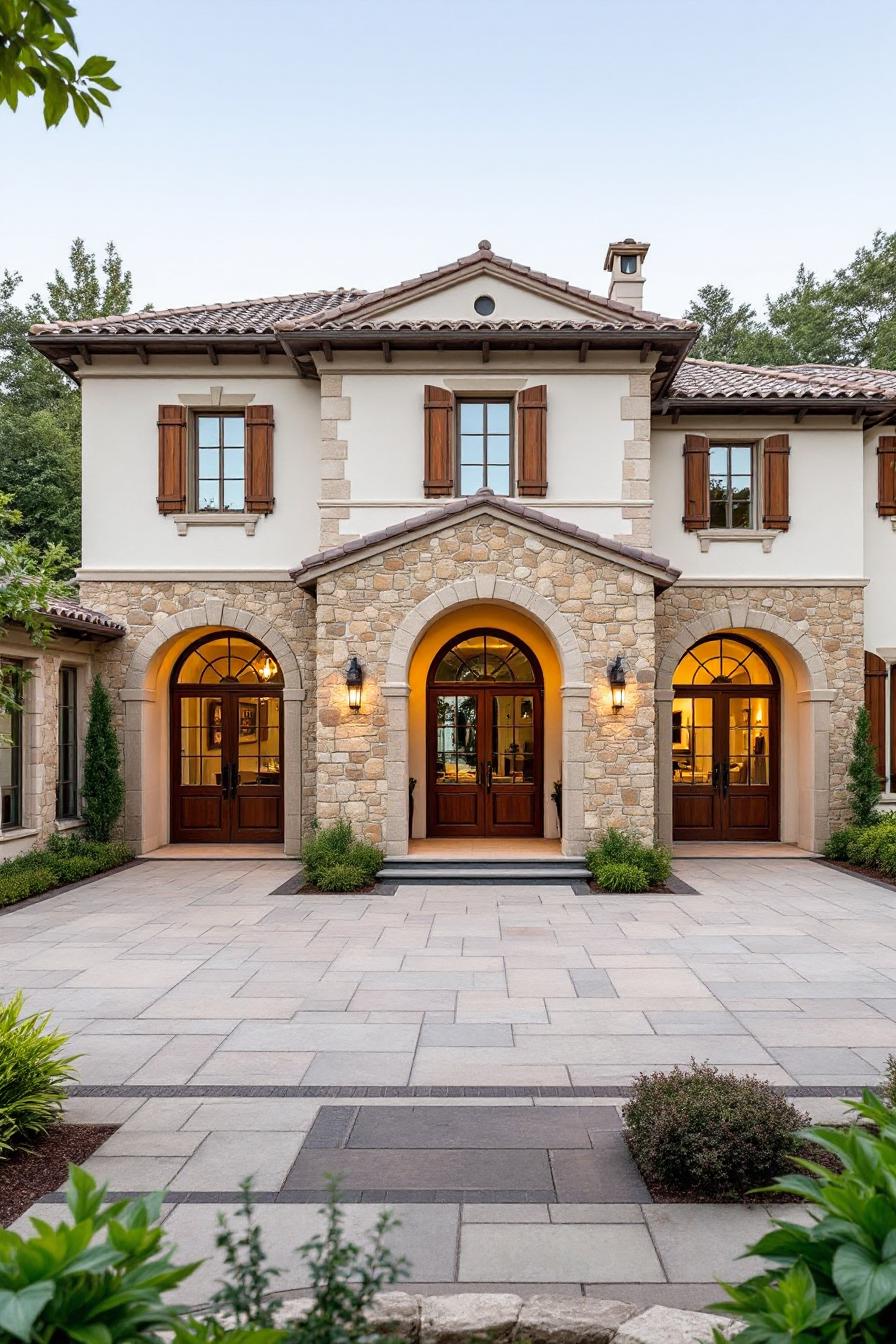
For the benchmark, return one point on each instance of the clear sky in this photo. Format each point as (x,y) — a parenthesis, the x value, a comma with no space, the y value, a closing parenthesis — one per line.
(267,146)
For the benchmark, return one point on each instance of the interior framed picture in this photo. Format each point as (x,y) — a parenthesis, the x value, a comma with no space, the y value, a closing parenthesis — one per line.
(248,720)
(215,731)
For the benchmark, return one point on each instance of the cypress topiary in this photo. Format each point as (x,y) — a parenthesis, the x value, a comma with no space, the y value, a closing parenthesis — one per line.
(864,781)
(103,792)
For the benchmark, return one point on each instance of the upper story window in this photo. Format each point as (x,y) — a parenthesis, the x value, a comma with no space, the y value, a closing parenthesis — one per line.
(732,493)
(484,445)
(67,745)
(11,755)
(220,478)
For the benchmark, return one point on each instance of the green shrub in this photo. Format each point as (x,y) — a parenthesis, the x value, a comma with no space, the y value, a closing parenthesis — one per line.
(833,1280)
(17,884)
(343,877)
(886,860)
(863,784)
(33,1075)
(332,847)
(700,1132)
(838,843)
(102,796)
(625,847)
(620,877)
(870,842)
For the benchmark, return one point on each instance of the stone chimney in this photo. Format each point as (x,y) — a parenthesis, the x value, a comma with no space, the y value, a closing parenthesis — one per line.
(624,262)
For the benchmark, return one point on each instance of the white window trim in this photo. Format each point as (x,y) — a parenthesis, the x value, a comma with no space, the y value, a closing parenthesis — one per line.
(184,521)
(710,535)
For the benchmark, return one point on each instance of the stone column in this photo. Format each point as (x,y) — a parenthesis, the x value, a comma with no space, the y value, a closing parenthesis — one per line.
(814,727)
(574,697)
(663,701)
(395,694)
(291,767)
(135,702)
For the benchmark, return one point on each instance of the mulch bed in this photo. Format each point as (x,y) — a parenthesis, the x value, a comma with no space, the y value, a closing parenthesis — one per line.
(660,1195)
(874,873)
(27,1176)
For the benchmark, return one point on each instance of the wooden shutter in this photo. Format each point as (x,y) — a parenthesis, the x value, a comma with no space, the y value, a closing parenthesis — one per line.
(259,459)
(886,476)
(438,441)
(696,482)
(172,496)
(532,442)
(876,705)
(776,482)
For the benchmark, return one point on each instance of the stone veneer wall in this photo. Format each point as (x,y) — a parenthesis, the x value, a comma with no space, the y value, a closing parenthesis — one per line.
(148,603)
(609,607)
(831,618)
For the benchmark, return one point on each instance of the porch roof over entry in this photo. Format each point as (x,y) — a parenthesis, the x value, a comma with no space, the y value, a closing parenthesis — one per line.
(484,503)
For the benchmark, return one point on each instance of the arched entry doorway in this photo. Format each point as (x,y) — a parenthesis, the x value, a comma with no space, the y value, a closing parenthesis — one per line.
(484,726)
(725,742)
(226,742)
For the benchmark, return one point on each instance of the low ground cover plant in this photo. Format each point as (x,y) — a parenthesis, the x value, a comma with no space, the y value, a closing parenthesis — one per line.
(870,846)
(63,859)
(106,1276)
(833,1282)
(620,861)
(33,1076)
(704,1134)
(336,861)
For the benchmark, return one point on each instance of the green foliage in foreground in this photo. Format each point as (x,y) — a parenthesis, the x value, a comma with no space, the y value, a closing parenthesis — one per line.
(102,796)
(863,784)
(335,861)
(833,1282)
(33,1075)
(617,850)
(100,1278)
(36,37)
(63,859)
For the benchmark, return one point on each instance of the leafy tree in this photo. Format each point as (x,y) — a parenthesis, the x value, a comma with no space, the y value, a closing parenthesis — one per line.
(85,294)
(28,579)
(34,37)
(103,791)
(808,321)
(40,464)
(864,782)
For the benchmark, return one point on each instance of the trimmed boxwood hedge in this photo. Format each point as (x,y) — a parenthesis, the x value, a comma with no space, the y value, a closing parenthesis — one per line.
(63,859)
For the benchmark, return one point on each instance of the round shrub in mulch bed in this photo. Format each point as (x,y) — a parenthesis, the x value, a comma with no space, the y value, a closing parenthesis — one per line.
(699,1134)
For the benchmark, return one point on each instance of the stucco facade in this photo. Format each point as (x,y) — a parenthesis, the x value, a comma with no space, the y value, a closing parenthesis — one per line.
(600,564)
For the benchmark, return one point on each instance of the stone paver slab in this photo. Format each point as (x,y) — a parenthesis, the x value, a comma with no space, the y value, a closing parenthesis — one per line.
(558,1253)
(475,1127)
(425,1169)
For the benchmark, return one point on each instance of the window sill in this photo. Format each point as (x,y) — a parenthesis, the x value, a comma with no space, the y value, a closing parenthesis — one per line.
(17,833)
(184,521)
(69,824)
(764,535)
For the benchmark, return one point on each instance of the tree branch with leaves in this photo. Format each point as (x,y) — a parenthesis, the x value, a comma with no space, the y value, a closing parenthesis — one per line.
(35,37)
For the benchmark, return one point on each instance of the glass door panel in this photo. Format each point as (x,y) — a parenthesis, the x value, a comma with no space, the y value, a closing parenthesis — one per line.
(201,740)
(457,736)
(258,737)
(692,745)
(513,739)
(748,740)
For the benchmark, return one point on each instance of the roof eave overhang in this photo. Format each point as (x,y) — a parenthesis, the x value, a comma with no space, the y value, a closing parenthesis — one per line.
(877,409)
(307,577)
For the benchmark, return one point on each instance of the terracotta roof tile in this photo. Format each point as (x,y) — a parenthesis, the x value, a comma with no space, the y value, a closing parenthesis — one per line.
(241,317)
(305,572)
(703,379)
(72,614)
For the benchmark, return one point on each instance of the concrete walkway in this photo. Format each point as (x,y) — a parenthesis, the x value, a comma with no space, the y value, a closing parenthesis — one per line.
(229,1029)
(200,973)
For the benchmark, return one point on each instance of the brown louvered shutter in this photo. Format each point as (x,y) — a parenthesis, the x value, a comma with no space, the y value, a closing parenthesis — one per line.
(886,476)
(259,459)
(172,496)
(696,482)
(438,441)
(532,442)
(776,482)
(876,705)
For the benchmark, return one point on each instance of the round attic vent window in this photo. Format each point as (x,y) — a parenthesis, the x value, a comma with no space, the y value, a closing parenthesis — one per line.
(484,305)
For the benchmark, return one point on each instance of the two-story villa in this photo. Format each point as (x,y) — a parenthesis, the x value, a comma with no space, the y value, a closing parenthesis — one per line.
(488,531)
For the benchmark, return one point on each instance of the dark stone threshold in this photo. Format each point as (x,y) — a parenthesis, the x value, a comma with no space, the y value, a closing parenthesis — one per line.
(861,873)
(120,1090)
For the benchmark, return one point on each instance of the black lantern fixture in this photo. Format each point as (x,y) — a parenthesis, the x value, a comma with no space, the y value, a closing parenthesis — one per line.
(616,678)
(354,680)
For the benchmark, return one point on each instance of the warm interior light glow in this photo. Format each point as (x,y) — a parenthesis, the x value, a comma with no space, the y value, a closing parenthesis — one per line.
(266,668)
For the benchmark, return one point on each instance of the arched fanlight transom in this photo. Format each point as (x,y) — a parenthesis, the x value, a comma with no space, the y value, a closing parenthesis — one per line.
(723,660)
(222,657)
(485,655)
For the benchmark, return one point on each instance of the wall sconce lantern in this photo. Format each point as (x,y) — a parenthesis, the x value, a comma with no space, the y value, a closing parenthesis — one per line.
(354,680)
(266,668)
(616,677)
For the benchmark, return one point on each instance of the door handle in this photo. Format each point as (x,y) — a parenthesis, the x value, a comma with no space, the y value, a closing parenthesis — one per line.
(234,780)
(726,778)
(716,776)
(488,777)
(225,781)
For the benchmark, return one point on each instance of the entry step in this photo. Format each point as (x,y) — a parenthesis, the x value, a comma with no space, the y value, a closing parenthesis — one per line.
(409,870)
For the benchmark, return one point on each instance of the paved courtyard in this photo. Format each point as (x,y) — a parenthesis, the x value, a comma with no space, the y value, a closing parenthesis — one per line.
(230,1027)
(199,973)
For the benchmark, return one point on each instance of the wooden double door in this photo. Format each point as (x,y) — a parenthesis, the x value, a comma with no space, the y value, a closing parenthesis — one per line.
(485,761)
(226,763)
(725,762)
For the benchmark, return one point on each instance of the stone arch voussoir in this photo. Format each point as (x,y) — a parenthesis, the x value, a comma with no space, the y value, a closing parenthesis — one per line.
(212,613)
(740,617)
